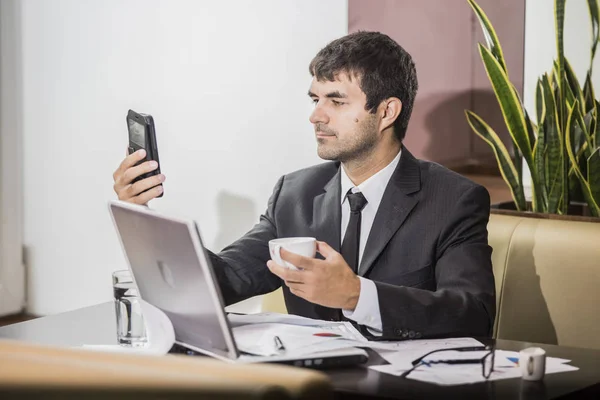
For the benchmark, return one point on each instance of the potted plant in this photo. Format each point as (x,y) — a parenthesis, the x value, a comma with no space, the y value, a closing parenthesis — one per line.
(562,147)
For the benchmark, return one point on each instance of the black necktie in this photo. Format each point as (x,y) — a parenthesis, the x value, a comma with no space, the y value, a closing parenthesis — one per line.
(351,242)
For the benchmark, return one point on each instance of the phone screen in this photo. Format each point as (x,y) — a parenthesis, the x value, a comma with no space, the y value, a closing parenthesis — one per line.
(137,133)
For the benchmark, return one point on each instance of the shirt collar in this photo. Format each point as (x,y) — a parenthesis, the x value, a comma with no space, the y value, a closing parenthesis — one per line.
(373,187)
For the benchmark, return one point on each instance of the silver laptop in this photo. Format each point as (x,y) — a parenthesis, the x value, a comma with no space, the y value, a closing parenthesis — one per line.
(173,272)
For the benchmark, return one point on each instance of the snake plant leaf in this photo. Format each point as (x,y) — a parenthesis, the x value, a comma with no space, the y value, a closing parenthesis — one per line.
(590,120)
(540,150)
(593,174)
(595,17)
(539,158)
(507,168)
(578,123)
(489,34)
(559,21)
(569,95)
(518,162)
(579,145)
(530,127)
(590,123)
(554,176)
(509,103)
(585,186)
(557,92)
(596,135)
(579,136)
(588,93)
(540,105)
(573,84)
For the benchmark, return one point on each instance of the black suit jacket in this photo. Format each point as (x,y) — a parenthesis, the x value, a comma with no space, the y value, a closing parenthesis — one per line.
(427,251)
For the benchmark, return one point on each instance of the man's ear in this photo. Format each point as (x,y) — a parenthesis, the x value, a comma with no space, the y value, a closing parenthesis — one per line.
(390,112)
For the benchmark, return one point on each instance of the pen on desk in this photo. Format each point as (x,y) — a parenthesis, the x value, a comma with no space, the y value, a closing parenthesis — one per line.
(278,343)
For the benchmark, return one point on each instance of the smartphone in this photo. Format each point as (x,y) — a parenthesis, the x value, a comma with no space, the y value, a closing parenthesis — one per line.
(142,135)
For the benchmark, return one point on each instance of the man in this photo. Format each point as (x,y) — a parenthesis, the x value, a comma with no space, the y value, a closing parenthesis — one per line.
(414,260)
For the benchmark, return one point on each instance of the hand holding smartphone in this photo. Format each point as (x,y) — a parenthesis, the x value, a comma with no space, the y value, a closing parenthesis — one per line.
(142,135)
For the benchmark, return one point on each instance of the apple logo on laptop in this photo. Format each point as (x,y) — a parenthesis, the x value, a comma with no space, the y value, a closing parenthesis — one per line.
(166,273)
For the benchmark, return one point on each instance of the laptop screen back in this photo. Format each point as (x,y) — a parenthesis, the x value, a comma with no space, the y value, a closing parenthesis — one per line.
(173,273)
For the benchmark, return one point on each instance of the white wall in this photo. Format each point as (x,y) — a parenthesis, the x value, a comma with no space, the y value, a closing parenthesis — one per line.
(226,82)
(12,271)
(540,45)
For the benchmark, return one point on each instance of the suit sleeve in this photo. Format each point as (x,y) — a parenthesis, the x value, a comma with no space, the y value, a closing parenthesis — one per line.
(241,268)
(463,303)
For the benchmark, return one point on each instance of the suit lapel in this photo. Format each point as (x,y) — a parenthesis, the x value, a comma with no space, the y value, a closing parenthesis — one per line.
(394,208)
(327,213)
(327,220)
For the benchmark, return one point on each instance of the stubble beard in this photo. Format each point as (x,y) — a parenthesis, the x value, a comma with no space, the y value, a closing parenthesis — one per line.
(355,148)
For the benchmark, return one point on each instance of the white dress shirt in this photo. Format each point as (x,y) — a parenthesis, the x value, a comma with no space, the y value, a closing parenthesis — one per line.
(367,309)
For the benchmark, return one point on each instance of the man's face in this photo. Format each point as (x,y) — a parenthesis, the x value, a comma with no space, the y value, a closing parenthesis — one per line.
(345,131)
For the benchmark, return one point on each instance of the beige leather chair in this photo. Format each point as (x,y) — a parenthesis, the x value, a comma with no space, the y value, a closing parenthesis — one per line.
(500,231)
(547,281)
(28,370)
(549,273)
(274,302)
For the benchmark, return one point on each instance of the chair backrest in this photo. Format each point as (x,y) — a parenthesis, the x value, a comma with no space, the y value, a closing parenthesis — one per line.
(500,231)
(274,302)
(42,371)
(550,280)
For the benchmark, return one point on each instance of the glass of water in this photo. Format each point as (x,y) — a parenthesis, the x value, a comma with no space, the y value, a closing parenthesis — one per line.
(131,331)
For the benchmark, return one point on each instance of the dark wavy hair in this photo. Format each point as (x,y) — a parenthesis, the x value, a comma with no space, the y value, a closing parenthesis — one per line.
(384,69)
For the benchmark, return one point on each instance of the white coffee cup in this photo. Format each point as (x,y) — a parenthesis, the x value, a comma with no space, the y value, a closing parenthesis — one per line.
(305,246)
(532,362)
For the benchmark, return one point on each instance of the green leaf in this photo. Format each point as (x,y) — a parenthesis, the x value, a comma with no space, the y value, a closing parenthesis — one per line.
(555,178)
(530,128)
(540,105)
(540,149)
(588,93)
(518,161)
(595,17)
(593,175)
(489,33)
(559,21)
(507,168)
(573,84)
(569,95)
(585,186)
(539,158)
(509,104)
(557,92)
(579,137)
(596,134)
(590,121)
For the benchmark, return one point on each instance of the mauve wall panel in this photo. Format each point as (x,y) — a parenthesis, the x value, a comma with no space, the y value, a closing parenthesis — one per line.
(441,35)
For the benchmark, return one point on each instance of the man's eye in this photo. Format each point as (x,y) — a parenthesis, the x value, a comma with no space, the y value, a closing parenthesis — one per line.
(315,101)
(337,103)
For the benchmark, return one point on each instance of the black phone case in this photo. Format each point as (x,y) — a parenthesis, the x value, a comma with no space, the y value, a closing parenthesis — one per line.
(150,140)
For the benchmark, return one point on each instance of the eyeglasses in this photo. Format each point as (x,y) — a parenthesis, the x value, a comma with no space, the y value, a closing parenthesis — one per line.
(487,361)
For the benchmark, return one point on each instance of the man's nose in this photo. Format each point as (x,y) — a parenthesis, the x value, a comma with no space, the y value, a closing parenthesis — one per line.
(319,116)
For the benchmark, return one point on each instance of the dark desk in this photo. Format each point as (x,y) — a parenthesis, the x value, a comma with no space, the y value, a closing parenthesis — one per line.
(95,325)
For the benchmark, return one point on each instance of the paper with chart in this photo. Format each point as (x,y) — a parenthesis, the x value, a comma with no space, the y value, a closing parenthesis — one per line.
(259,339)
(505,366)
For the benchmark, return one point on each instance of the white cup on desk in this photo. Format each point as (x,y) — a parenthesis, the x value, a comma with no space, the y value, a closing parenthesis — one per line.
(532,362)
(304,246)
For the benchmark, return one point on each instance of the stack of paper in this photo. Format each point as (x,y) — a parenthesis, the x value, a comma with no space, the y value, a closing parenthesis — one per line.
(255,334)
(505,363)
(259,339)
